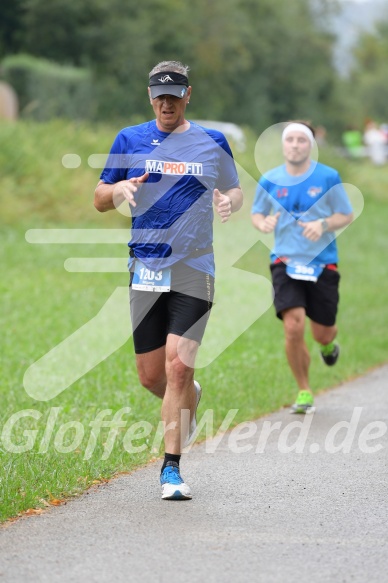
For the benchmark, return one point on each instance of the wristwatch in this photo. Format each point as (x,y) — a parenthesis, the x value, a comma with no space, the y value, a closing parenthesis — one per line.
(325,225)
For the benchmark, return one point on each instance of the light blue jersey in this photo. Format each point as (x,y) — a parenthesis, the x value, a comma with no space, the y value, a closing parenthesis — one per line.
(173,216)
(318,193)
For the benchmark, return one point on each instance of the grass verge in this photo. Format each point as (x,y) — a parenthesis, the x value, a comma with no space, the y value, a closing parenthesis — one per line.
(54,449)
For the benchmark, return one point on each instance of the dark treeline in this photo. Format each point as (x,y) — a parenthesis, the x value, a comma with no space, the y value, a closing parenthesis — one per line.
(253,62)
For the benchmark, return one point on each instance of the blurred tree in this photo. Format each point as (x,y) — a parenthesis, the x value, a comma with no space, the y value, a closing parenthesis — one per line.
(368,80)
(62,31)
(291,74)
(253,62)
(11,26)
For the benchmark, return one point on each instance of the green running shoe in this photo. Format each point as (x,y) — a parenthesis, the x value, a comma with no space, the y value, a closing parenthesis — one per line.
(330,353)
(304,403)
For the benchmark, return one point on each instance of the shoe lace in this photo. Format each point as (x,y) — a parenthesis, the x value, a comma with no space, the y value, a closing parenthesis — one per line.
(328,349)
(171,475)
(304,398)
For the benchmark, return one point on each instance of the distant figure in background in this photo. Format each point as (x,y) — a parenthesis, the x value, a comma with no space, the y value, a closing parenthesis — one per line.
(384,129)
(320,135)
(352,140)
(375,142)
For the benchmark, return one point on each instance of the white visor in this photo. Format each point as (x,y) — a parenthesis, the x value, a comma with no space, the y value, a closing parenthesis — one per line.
(298,127)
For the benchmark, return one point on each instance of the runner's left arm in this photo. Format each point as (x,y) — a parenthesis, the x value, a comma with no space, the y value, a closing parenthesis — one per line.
(227,202)
(313,230)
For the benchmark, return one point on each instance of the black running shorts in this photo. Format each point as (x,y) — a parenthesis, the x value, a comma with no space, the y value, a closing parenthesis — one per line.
(319,299)
(183,311)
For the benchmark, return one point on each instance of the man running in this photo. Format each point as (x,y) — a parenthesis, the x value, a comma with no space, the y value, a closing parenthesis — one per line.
(171,171)
(304,203)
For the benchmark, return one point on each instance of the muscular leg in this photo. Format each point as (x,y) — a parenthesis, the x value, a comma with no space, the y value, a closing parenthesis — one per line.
(296,350)
(180,392)
(164,373)
(151,368)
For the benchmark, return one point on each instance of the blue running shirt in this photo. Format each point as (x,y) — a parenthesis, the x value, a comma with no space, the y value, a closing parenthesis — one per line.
(318,193)
(174,209)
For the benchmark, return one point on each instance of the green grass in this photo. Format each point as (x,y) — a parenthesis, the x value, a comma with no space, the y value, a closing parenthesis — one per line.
(42,304)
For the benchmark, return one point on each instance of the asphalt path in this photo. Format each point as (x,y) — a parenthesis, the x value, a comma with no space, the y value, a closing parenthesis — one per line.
(286,498)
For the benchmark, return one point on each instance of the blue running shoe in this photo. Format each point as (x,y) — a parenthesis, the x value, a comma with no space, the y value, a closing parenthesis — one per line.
(173,487)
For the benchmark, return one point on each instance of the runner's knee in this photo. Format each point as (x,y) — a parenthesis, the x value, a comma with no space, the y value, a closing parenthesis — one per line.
(152,381)
(178,372)
(293,323)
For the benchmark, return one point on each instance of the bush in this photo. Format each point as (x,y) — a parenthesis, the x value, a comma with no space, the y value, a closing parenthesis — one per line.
(46,90)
